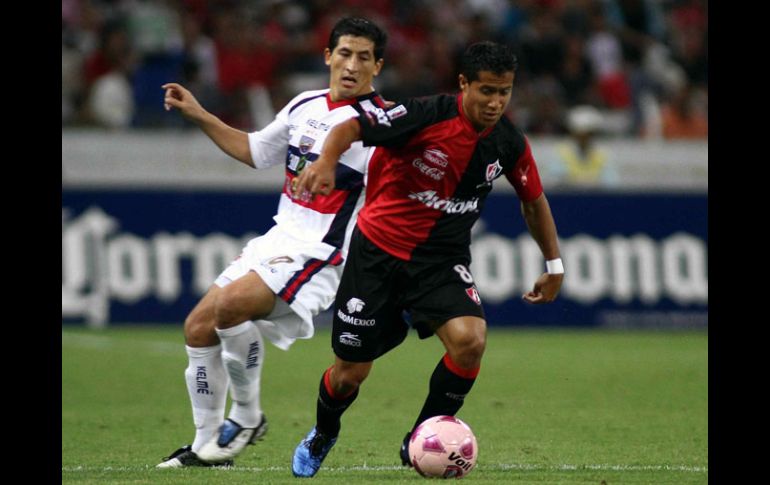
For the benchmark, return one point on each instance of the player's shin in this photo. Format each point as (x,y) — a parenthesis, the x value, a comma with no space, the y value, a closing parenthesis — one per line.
(449,385)
(330,406)
(207,382)
(243,353)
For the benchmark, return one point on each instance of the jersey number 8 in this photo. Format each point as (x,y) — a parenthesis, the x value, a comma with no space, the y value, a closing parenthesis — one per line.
(465,275)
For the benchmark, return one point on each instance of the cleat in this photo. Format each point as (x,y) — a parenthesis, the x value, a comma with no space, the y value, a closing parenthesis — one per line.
(310,453)
(404,451)
(185,456)
(230,441)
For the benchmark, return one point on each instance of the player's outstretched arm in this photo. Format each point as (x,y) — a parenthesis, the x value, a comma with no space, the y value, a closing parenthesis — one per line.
(542,227)
(318,177)
(230,140)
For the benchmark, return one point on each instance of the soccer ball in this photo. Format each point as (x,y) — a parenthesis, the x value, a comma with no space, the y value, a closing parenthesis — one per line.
(443,447)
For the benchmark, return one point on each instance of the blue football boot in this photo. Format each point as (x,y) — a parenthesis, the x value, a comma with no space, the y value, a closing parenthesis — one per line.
(310,453)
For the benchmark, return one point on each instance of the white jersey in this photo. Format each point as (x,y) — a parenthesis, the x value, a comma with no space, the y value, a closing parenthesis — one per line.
(304,124)
(300,258)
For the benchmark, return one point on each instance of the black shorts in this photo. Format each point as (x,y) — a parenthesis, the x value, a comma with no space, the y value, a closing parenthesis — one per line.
(379,292)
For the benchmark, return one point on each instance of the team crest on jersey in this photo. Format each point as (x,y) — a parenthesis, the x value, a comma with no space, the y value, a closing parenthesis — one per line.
(305,144)
(493,170)
(473,294)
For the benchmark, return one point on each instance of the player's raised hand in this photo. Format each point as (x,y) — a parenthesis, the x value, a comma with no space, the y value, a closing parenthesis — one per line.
(180,98)
(545,290)
(316,178)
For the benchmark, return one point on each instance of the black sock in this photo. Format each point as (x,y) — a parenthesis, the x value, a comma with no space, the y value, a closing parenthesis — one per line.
(448,386)
(329,408)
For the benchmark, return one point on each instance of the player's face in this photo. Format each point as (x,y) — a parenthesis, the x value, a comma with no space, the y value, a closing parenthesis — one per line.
(353,66)
(485,99)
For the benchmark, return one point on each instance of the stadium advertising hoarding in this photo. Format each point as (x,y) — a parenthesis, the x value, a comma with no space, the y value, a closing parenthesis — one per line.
(631,260)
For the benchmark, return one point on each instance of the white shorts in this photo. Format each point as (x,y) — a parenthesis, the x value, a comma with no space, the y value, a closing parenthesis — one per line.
(304,276)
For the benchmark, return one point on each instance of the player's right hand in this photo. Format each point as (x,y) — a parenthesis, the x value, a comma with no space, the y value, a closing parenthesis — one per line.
(180,98)
(545,290)
(316,178)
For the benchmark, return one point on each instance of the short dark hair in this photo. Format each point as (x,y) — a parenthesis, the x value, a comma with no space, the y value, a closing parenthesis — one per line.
(359,27)
(487,56)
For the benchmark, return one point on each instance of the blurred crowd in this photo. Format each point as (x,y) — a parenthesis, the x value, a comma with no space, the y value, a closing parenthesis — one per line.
(642,65)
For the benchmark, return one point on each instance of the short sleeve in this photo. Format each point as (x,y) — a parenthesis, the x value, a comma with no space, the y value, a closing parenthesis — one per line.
(395,126)
(524,176)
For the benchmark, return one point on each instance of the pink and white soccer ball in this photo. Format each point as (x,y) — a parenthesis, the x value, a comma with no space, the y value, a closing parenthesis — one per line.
(443,447)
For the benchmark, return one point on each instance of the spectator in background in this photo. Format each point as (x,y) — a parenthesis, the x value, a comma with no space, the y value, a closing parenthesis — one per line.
(689,39)
(248,49)
(682,117)
(605,54)
(581,161)
(613,54)
(110,100)
(575,73)
(155,29)
(199,69)
(641,27)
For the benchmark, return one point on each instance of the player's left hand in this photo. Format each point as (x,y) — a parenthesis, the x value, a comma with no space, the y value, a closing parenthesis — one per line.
(545,290)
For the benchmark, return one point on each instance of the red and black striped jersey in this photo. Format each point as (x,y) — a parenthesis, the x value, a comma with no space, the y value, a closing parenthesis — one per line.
(431,173)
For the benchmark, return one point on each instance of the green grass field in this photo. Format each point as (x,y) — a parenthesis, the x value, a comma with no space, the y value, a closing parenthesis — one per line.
(549,407)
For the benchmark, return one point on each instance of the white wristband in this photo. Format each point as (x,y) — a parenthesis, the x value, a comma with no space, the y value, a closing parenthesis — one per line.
(554,266)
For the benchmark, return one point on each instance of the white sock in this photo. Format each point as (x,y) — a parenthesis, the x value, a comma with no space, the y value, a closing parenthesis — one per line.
(207,383)
(243,352)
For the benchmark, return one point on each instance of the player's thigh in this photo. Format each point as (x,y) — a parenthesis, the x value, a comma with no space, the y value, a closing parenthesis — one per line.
(366,321)
(246,298)
(200,323)
(441,292)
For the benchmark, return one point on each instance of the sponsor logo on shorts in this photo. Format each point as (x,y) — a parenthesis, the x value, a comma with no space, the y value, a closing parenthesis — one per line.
(473,294)
(359,322)
(351,339)
(355,305)
(451,206)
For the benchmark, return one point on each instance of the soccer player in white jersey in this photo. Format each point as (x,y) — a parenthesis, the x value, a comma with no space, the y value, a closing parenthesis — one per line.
(286,276)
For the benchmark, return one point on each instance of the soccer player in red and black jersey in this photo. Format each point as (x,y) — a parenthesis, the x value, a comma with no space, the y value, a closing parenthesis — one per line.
(435,164)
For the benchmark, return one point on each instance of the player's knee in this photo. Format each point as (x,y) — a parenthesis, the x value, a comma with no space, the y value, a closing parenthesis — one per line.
(229,309)
(199,330)
(348,378)
(469,349)
(234,306)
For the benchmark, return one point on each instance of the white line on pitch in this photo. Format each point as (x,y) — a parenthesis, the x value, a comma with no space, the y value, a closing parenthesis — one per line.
(491,467)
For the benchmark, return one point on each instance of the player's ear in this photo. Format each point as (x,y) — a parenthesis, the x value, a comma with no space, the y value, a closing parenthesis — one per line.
(328,56)
(463,82)
(378,66)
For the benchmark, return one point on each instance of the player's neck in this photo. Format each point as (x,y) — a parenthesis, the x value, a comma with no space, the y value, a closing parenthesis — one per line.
(335,97)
